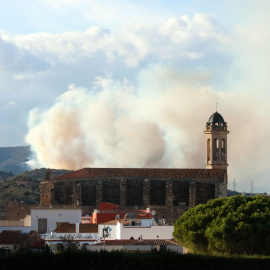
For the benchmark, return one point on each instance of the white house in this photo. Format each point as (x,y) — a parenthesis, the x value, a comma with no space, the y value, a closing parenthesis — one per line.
(44,220)
(127,229)
(82,234)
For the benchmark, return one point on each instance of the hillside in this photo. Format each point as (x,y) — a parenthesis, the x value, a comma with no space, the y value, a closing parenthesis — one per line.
(5,175)
(12,159)
(25,186)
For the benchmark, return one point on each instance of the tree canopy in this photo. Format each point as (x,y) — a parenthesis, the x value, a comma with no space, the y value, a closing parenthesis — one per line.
(233,225)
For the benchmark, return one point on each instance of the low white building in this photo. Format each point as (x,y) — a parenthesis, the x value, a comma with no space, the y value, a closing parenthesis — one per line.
(143,246)
(127,229)
(79,234)
(45,220)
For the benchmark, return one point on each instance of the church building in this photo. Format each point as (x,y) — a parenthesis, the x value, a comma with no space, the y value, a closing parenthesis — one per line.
(170,192)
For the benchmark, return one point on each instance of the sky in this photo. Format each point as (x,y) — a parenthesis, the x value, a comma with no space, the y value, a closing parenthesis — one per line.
(114,83)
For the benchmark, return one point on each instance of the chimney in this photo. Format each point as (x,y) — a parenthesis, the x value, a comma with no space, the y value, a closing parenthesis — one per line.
(48,174)
(77,227)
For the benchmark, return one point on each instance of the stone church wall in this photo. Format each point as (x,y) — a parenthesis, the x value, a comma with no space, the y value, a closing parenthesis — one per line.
(170,198)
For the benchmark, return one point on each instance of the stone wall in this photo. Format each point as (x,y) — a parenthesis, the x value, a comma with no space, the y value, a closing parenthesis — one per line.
(170,198)
(16,211)
(111,191)
(134,192)
(46,193)
(157,192)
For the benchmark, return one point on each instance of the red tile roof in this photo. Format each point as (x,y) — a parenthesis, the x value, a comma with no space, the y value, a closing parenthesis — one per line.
(17,237)
(65,227)
(143,173)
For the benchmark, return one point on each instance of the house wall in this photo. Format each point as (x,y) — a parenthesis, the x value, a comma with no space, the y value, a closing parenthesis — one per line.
(154,232)
(16,210)
(15,228)
(12,223)
(142,248)
(112,232)
(134,248)
(121,232)
(146,222)
(16,223)
(53,216)
(78,238)
(27,220)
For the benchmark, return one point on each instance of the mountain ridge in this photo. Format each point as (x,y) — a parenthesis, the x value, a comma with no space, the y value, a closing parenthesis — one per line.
(13,159)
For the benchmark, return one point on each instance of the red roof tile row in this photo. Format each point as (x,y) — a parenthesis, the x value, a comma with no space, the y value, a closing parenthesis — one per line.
(65,227)
(143,173)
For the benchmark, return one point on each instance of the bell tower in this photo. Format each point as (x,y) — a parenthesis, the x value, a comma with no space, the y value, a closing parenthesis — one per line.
(216,142)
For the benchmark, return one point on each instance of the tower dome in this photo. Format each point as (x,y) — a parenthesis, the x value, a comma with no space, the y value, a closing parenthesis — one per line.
(216,118)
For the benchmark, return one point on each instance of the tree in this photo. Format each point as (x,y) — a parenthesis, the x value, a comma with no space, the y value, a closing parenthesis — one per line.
(70,244)
(233,225)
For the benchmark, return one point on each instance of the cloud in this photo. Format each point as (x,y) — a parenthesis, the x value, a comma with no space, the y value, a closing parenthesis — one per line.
(195,37)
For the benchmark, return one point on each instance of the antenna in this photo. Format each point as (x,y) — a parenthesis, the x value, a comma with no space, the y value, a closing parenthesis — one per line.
(251,186)
(234,184)
(216,104)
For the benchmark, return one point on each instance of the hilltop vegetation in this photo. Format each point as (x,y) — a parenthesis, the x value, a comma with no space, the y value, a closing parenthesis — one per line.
(5,175)
(25,186)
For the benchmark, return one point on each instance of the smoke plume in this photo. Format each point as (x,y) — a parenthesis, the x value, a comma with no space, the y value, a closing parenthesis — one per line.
(158,118)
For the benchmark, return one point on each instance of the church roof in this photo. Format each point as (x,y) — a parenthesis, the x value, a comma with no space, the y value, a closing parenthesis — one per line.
(143,173)
(216,118)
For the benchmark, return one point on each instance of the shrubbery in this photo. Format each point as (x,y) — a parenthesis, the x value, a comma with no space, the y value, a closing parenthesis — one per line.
(158,260)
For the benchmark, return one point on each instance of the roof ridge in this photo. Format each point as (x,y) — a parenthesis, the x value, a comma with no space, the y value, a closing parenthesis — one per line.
(158,173)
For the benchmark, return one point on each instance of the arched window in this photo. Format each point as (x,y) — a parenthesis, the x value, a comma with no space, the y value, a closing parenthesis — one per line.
(216,143)
(208,150)
(223,150)
(216,146)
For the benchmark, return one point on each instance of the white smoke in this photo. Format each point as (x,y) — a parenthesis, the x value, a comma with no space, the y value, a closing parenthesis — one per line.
(158,118)
(116,125)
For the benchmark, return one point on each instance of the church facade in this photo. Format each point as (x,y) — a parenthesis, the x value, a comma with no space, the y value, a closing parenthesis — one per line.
(170,192)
